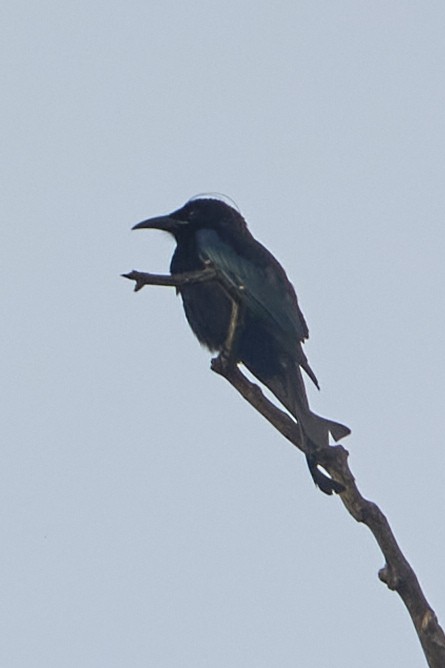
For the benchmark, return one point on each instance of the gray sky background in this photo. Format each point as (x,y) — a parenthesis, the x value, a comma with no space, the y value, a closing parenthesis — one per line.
(148,516)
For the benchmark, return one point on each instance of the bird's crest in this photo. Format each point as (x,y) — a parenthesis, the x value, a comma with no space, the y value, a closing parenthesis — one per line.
(219,196)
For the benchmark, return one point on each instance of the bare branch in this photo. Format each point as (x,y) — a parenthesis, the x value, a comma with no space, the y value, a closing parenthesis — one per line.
(397,573)
(142,278)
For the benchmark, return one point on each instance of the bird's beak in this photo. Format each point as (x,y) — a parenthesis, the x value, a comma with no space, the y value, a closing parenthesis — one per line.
(164,223)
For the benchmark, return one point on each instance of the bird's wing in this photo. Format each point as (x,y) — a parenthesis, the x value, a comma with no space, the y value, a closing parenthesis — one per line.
(262,287)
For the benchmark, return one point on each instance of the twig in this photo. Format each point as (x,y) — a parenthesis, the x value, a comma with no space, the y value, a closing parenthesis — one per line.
(141,278)
(397,573)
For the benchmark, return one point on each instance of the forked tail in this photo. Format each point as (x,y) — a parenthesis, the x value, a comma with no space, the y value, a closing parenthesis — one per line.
(290,391)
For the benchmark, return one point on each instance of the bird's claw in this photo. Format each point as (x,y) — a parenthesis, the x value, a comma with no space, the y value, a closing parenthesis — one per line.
(222,362)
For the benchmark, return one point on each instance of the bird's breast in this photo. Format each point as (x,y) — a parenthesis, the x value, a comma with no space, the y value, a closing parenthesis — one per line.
(208,310)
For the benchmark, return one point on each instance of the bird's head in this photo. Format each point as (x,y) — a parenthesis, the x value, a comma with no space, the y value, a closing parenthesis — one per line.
(202,211)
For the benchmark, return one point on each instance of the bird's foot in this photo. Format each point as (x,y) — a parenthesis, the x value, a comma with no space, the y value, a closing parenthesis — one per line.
(223,362)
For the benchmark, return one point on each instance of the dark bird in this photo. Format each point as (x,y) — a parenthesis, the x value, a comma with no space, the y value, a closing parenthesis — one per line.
(249,312)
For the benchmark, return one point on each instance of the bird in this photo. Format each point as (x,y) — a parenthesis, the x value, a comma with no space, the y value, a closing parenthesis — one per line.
(247,311)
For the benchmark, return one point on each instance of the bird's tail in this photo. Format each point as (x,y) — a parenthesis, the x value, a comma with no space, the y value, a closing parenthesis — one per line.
(290,391)
(318,428)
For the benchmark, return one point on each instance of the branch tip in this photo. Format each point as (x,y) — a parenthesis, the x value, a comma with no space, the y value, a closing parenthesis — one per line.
(397,573)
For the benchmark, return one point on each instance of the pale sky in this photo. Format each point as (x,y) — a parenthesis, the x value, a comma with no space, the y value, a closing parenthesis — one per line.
(149,517)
